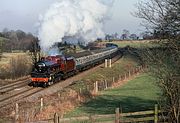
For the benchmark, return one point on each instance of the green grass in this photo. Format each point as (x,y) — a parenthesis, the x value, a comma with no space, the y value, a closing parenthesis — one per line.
(136,44)
(119,68)
(138,94)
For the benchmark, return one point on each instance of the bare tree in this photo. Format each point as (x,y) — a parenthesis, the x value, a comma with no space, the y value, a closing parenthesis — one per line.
(35,50)
(162,18)
(125,34)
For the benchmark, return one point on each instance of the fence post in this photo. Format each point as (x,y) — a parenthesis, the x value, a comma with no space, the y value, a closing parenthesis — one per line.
(113,79)
(16,112)
(125,76)
(56,119)
(106,84)
(110,62)
(129,73)
(79,94)
(106,63)
(96,87)
(156,114)
(117,115)
(41,108)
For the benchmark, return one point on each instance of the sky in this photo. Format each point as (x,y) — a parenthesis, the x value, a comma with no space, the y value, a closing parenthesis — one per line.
(24,15)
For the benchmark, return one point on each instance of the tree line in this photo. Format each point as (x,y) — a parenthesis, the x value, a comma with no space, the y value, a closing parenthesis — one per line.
(126,35)
(17,40)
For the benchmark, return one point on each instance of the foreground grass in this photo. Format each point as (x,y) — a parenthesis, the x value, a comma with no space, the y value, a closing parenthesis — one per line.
(138,94)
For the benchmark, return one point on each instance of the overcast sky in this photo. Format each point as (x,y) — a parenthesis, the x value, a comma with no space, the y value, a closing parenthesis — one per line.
(24,14)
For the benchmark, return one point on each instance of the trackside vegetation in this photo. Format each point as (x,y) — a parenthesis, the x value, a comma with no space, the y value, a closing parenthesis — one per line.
(120,67)
(138,94)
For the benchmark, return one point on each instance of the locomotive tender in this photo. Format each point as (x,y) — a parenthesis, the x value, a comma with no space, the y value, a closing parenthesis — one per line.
(54,68)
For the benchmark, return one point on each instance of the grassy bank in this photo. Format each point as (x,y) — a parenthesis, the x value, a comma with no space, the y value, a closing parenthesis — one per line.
(138,94)
(120,67)
(136,44)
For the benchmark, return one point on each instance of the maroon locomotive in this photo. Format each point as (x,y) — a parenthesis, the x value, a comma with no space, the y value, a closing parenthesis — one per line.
(52,68)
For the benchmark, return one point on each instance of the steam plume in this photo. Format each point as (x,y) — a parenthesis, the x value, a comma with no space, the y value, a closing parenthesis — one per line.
(81,19)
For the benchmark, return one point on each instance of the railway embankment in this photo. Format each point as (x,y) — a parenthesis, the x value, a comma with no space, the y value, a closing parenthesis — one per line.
(81,90)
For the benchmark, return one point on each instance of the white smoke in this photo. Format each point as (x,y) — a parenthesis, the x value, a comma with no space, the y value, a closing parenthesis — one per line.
(53,52)
(82,19)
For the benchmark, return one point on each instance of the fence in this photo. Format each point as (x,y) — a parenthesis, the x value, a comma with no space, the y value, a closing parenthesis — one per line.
(142,116)
(115,81)
(27,112)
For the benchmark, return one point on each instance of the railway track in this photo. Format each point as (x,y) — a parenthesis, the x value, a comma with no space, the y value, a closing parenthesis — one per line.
(14,83)
(18,96)
(14,86)
(29,91)
(15,91)
(65,83)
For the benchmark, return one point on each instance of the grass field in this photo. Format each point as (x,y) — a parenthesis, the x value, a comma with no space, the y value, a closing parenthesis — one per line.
(120,67)
(138,94)
(136,44)
(6,57)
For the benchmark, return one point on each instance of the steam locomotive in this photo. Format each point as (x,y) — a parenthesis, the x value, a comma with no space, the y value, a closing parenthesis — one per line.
(51,69)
